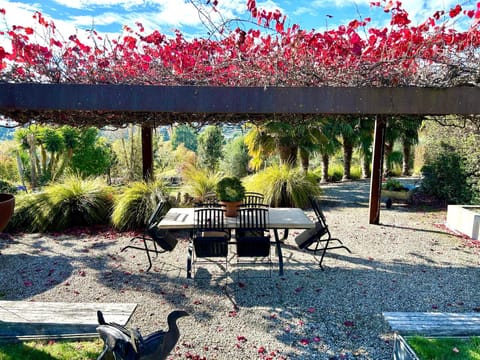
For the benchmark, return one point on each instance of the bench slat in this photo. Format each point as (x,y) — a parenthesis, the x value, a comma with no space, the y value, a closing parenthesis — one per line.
(434,324)
(32,320)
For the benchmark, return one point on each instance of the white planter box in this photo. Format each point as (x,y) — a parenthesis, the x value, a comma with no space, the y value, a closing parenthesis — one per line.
(464,219)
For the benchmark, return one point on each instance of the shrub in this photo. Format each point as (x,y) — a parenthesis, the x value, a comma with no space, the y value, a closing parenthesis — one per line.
(7,187)
(284,186)
(73,202)
(444,177)
(199,182)
(335,172)
(136,203)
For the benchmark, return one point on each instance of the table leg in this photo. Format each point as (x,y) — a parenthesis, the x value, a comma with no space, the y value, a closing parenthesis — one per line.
(279,252)
(189,260)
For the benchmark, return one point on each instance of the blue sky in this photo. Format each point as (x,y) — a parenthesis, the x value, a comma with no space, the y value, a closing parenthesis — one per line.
(108,16)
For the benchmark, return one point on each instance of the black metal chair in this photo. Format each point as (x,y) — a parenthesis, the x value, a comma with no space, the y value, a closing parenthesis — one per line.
(252,238)
(161,239)
(252,197)
(318,239)
(209,238)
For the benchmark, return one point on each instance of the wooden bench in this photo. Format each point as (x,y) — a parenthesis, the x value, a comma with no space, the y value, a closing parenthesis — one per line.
(434,324)
(25,320)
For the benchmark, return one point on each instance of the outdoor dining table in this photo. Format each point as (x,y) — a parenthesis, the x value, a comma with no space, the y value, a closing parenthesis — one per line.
(278,219)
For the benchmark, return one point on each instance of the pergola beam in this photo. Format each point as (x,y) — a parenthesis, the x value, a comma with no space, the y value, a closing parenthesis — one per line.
(241,100)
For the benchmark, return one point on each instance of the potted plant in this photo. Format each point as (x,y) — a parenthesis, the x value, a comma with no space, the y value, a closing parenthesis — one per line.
(7,204)
(230,192)
(393,189)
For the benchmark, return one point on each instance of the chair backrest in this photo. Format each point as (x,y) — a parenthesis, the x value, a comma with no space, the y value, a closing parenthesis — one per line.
(209,218)
(250,217)
(161,236)
(253,198)
(210,238)
(157,214)
(210,197)
(252,237)
(315,203)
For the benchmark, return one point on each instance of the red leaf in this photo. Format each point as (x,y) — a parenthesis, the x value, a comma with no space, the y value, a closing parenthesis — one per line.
(27,283)
(348,323)
(304,341)
(455,11)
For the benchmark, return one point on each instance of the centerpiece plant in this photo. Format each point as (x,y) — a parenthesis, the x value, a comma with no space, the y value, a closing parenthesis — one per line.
(230,191)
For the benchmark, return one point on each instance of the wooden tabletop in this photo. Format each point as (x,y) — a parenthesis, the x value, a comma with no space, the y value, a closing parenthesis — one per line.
(278,218)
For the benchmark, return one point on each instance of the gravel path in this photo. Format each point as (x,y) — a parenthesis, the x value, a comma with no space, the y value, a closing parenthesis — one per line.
(408,263)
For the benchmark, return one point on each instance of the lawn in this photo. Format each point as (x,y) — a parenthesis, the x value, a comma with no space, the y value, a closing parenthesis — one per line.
(445,348)
(50,349)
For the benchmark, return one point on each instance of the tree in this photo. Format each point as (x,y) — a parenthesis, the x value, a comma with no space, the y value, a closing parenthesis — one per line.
(329,146)
(93,155)
(410,126)
(185,135)
(236,158)
(210,144)
(288,140)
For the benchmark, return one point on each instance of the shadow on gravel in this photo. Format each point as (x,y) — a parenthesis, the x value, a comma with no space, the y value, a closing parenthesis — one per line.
(25,275)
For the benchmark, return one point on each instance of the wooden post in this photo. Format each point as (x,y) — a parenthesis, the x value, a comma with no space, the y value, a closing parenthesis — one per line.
(147,153)
(377,169)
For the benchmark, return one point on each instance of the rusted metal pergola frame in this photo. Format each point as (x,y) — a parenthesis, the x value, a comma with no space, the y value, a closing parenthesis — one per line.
(380,102)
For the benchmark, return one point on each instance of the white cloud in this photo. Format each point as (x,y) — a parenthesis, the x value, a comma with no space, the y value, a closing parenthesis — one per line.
(86,4)
(270,5)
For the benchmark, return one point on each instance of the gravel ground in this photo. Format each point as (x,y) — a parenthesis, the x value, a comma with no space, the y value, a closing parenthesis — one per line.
(408,263)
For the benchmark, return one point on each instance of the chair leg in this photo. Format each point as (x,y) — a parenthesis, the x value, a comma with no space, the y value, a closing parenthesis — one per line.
(325,248)
(148,254)
(147,250)
(189,261)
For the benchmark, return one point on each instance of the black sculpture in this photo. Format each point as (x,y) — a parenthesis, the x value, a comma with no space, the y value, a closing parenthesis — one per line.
(122,343)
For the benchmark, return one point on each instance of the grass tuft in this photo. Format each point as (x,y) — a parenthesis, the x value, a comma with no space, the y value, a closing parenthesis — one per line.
(135,205)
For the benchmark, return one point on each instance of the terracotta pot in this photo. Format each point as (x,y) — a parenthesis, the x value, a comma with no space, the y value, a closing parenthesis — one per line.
(7,204)
(231,208)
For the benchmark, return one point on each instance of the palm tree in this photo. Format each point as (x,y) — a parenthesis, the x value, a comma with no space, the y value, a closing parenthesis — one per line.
(409,137)
(365,132)
(347,128)
(287,140)
(328,146)
(405,129)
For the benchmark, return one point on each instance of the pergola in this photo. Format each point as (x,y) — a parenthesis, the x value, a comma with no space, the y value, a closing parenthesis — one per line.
(156,105)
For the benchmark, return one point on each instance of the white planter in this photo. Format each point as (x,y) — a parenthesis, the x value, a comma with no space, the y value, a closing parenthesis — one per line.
(464,219)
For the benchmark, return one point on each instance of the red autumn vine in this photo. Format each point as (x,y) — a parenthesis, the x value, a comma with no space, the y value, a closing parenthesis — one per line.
(433,53)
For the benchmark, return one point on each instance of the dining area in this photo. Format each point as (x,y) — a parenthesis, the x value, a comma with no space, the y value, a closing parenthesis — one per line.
(250,234)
